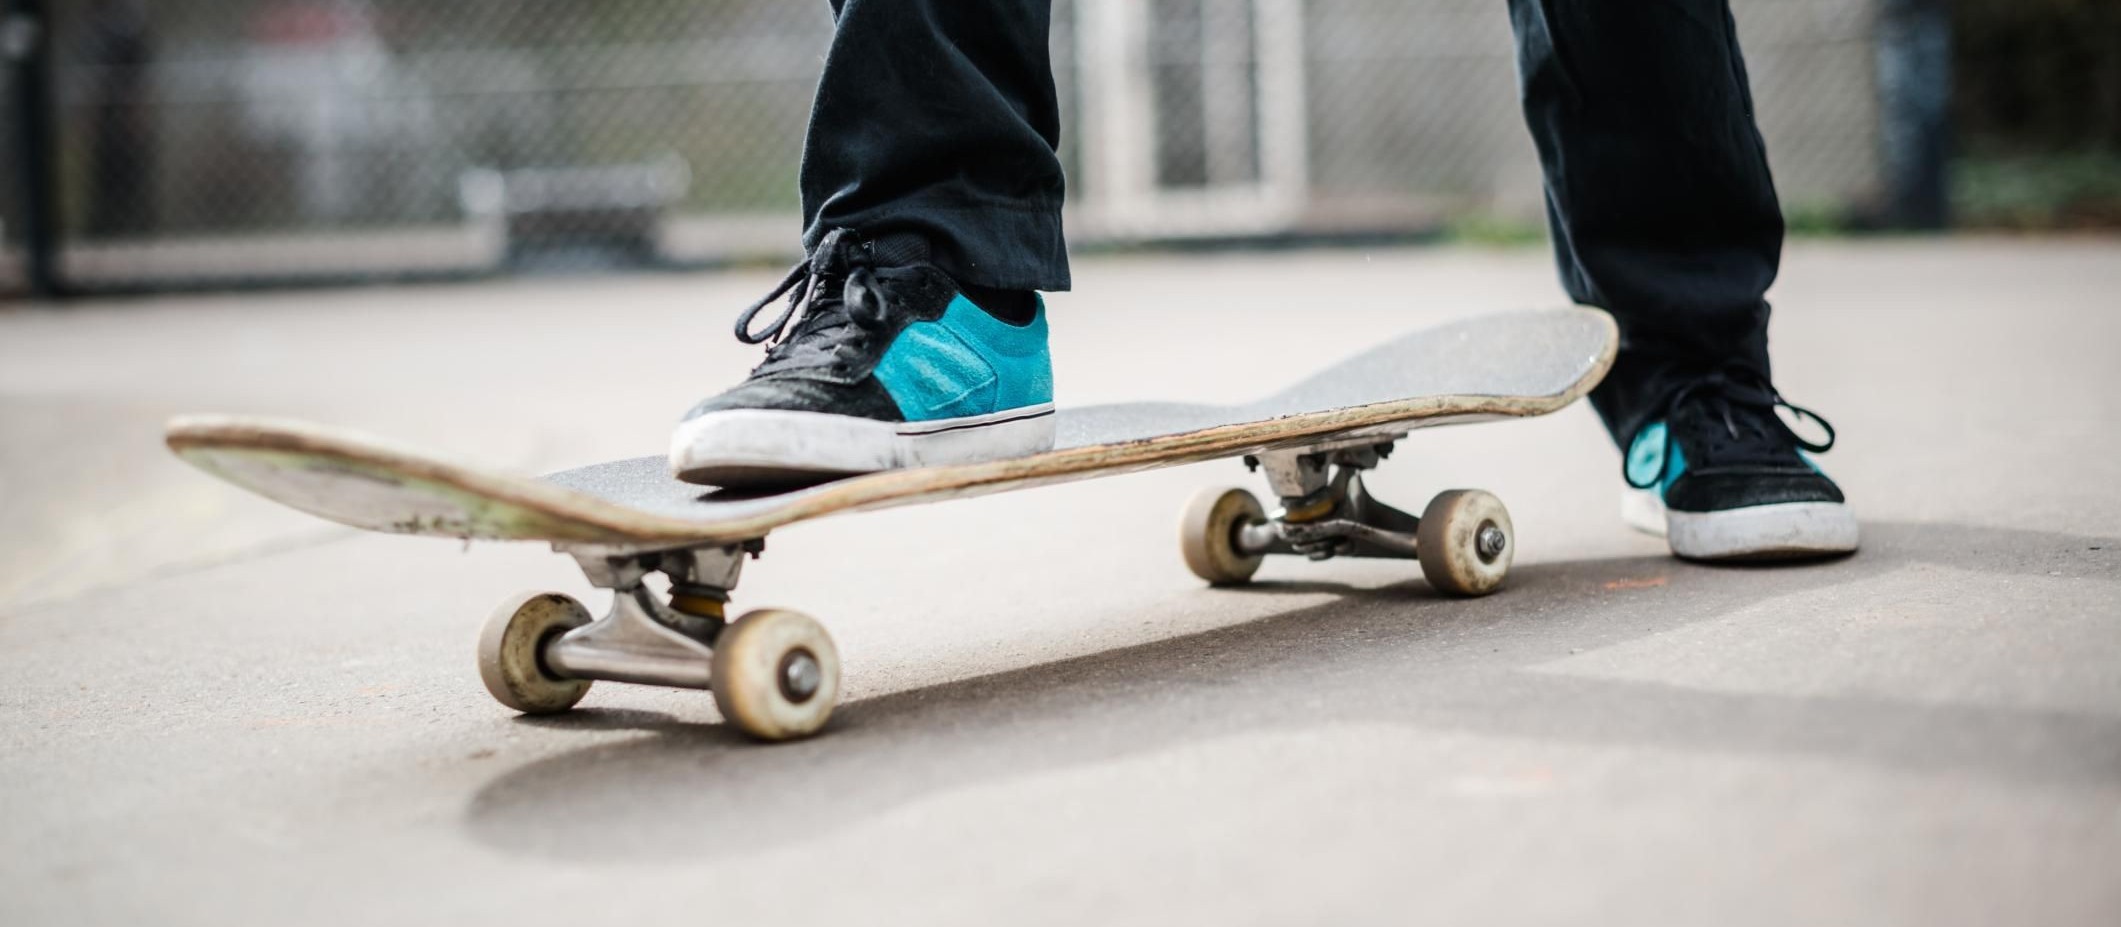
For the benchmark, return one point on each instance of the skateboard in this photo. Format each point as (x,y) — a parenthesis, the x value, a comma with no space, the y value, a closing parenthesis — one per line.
(775,672)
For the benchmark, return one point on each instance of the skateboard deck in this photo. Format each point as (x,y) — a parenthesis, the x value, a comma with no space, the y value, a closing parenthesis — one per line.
(775,672)
(1502,366)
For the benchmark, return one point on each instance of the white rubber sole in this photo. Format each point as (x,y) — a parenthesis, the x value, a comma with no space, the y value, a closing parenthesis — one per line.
(1791,530)
(753,448)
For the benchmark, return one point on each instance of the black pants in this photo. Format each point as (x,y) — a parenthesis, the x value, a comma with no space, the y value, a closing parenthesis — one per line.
(939,117)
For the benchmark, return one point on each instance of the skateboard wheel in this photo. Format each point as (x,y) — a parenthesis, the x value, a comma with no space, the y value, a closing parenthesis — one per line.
(776,674)
(511,652)
(1465,542)
(1207,535)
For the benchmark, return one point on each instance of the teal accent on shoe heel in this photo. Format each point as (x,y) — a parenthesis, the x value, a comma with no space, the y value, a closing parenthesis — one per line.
(1648,467)
(968,363)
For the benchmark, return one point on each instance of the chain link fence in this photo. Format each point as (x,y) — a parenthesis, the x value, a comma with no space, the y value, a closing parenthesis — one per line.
(221,142)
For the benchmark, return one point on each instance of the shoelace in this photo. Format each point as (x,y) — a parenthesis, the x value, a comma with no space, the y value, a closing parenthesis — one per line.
(1728,395)
(837,256)
(828,322)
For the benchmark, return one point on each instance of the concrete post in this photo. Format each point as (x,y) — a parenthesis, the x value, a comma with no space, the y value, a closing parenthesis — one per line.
(1915,93)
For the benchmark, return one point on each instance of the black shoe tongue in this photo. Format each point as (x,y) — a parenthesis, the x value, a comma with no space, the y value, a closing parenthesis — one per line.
(898,249)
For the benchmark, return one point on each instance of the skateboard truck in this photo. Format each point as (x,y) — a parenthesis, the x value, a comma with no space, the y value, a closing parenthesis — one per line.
(774,672)
(1462,539)
(1325,510)
(642,639)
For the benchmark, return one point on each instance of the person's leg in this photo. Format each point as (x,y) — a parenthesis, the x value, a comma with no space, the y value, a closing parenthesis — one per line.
(1663,212)
(1658,193)
(913,333)
(939,117)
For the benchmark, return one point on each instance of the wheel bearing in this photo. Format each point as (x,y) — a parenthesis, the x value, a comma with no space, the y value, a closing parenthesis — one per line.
(1489,542)
(800,676)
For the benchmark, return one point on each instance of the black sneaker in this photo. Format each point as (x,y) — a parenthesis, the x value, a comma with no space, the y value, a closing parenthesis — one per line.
(878,362)
(1722,477)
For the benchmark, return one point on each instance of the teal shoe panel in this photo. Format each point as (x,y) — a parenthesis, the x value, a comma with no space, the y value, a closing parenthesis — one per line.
(1647,456)
(967,363)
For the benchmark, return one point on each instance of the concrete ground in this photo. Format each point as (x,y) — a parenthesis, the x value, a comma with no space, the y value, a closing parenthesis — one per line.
(217,712)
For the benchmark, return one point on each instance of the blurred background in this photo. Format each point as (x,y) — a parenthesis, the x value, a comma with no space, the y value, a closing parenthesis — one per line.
(222,711)
(205,143)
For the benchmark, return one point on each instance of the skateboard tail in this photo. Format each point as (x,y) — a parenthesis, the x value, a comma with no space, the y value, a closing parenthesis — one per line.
(363,483)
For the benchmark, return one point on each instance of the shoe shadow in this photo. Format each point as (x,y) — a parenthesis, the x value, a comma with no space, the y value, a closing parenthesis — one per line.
(1398,656)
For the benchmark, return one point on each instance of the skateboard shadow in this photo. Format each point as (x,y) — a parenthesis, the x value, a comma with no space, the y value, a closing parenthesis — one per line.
(1393,656)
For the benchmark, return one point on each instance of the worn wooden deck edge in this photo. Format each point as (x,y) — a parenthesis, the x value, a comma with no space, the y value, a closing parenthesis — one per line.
(587,519)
